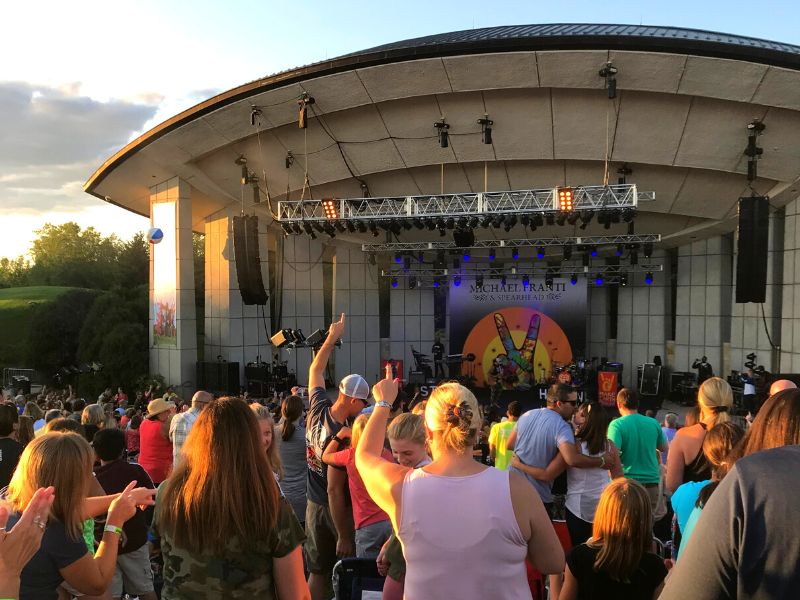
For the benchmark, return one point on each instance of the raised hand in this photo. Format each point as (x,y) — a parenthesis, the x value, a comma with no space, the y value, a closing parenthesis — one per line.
(517,363)
(22,542)
(386,389)
(336,330)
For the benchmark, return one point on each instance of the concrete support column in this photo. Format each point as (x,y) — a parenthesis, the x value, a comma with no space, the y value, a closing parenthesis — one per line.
(173,327)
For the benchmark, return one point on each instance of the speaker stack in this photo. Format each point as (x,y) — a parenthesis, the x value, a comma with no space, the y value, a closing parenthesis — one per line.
(218,377)
(248,260)
(752,250)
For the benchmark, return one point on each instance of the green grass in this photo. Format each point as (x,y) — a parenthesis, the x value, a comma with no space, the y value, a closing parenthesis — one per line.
(16,307)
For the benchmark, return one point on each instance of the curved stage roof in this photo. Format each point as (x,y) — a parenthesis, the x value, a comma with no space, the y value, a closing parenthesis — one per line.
(684,99)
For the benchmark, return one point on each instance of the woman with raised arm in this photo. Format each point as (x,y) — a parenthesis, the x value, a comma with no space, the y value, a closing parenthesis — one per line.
(466,528)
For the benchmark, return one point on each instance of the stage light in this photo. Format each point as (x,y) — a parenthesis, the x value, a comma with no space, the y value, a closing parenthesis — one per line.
(491,254)
(573,217)
(598,280)
(287,228)
(498,220)
(479,281)
(525,220)
(648,278)
(620,249)
(565,199)
(319,226)
(561,219)
(457,280)
(551,219)
(515,254)
(440,224)
(450,223)
(567,251)
(362,227)
(512,220)
(525,281)
(540,252)
(394,282)
(628,214)
(431,224)
(623,279)
(406,224)
(548,281)
(398,257)
(351,227)
(472,223)
(486,129)
(373,228)
(436,282)
(466,257)
(418,223)
(442,128)
(573,280)
(593,251)
(537,220)
(412,283)
(339,226)
(486,220)
(329,206)
(329,229)
(648,249)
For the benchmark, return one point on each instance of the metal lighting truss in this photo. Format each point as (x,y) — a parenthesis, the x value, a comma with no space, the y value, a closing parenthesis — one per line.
(518,270)
(597,240)
(584,198)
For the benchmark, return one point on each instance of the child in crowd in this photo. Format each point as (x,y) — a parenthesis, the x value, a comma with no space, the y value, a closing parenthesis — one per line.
(114,474)
(266,425)
(616,562)
(371,523)
(132,436)
(410,449)
(670,428)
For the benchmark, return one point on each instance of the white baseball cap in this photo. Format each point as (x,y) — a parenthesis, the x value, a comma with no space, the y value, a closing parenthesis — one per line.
(355,386)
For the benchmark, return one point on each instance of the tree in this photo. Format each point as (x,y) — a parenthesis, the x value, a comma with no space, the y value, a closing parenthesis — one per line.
(14,272)
(55,330)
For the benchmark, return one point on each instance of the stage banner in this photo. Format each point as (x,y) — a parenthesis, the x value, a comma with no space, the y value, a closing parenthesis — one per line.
(518,334)
(165,275)
(607,387)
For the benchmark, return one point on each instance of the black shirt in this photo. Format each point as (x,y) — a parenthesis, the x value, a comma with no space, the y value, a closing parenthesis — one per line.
(438,351)
(10,451)
(321,427)
(598,586)
(114,477)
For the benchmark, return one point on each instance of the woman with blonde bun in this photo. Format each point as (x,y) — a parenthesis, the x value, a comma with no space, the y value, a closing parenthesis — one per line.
(686,461)
(466,528)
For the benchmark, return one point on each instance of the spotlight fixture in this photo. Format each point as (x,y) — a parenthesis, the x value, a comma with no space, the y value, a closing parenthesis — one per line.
(442,131)
(648,249)
(418,223)
(465,256)
(436,282)
(491,254)
(573,279)
(598,279)
(525,281)
(303,102)
(329,206)
(457,280)
(551,219)
(538,220)
(486,220)
(573,217)
(430,224)
(319,226)
(648,278)
(565,199)
(561,219)
(515,254)
(753,151)
(620,249)
(373,228)
(540,252)
(548,281)
(394,282)
(479,281)
(254,112)
(412,283)
(623,279)
(351,227)
(525,220)
(450,223)
(593,251)
(296,229)
(362,227)
(609,72)
(567,251)
(287,228)
(398,257)
(586,218)
(486,129)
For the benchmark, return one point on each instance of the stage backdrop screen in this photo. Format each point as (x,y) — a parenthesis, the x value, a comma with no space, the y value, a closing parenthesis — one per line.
(515,332)
(165,272)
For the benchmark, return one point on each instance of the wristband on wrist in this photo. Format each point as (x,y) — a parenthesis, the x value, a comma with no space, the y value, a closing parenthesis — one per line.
(602,461)
(113,529)
(383,404)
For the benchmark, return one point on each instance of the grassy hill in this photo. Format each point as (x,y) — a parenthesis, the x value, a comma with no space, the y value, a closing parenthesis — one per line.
(16,307)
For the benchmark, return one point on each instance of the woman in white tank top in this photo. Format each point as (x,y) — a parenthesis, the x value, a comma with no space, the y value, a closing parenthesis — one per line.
(466,528)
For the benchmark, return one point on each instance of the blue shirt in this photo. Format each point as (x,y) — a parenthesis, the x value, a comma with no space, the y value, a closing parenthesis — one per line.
(683,501)
(539,434)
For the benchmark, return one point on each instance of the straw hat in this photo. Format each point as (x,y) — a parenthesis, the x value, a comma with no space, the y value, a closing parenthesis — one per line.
(158,406)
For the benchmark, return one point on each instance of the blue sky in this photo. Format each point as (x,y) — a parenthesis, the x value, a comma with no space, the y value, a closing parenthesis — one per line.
(79,80)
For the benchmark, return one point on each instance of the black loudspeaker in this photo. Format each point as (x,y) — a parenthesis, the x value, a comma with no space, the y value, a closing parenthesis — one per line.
(248,261)
(752,250)
(218,377)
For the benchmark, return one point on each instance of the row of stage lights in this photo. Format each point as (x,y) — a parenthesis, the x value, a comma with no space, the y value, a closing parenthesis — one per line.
(566,254)
(598,278)
(507,221)
(565,215)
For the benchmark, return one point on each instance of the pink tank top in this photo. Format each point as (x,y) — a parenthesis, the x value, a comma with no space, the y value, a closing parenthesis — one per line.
(155,453)
(461,538)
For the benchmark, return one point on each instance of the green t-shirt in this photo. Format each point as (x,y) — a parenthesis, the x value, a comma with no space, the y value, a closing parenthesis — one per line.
(498,437)
(235,574)
(638,437)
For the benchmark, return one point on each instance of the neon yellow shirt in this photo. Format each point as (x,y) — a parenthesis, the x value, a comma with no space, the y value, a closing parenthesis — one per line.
(498,438)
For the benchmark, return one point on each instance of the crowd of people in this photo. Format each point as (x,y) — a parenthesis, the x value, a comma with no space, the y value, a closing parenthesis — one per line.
(234,498)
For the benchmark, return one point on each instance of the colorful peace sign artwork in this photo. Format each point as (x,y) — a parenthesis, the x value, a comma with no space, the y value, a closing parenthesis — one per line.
(516,346)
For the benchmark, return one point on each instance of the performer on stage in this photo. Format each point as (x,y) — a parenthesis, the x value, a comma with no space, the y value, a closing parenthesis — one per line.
(438,358)
(704,370)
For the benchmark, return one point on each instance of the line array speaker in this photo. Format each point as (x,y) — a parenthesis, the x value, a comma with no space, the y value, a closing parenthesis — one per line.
(752,249)
(248,261)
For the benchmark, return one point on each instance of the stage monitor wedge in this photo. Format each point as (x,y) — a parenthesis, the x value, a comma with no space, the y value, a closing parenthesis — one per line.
(752,250)
(248,260)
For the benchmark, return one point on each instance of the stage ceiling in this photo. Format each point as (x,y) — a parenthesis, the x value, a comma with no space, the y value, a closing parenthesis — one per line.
(684,99)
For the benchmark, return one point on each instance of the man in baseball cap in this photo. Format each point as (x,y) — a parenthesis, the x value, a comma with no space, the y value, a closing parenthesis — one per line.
(329,523)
